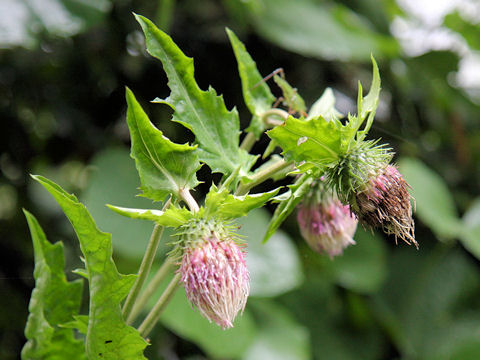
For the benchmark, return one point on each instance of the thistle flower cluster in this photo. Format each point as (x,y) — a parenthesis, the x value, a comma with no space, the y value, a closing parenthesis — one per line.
(325,223)
(213,272)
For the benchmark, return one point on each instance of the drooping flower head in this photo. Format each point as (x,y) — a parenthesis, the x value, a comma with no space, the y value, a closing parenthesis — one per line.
(214,273)
(385,202)
(376,191)
(325,223)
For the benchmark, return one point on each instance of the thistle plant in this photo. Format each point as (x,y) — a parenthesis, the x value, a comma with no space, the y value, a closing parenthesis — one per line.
(206,256)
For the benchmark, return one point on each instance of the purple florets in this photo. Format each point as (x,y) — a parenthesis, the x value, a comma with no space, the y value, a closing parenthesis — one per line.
(326,224)
(385,202)
(216,279)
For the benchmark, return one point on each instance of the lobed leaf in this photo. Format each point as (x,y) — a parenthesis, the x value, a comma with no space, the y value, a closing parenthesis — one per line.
(216,129)
(164,167)
(316,140)
(227,206)
(256,93)
(172,217)
(108,336)
(365,106)
(54,301)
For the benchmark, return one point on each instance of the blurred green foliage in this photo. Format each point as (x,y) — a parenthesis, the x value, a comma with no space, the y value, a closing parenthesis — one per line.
(63,68)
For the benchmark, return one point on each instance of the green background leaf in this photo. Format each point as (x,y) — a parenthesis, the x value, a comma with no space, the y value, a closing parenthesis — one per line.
(280,336)
(323,30)
(325,107)
(108,336)
(363,267)
(275,266)
(114,179)
(434,203)
(54,301)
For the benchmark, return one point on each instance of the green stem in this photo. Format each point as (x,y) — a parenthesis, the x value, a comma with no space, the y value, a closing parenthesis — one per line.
(150,290)
(144,269)
(248,141)
(154,315)
(263,175)
(189,200)
(266,117)
(145,266)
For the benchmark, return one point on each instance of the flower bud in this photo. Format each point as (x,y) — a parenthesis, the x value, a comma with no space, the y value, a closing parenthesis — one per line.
(325,223)
(215,276)
(384,202)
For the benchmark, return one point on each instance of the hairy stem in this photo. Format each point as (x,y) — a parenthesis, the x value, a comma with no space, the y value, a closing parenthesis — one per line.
(267,117)
(263,175)
(150,290)
(145,266)
(154,315)
(189,200)
(248,141)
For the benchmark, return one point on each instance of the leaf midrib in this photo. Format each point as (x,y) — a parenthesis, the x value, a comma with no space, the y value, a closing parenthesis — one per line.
(186,96)
(159,165)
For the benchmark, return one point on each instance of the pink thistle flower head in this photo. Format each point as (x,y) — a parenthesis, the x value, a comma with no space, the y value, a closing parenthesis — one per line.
(376,191)
(385,202)
(325,223)
(214,274)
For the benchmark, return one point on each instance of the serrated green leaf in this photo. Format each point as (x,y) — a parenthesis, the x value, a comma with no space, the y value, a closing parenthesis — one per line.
(291,97)
(80,323)
(365,106)
(172,217)
(164,167)
(216,129)
(256,93)
(224,205)
(108,336)
(287,203)
(325,107)
(316,140)
(54,301)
